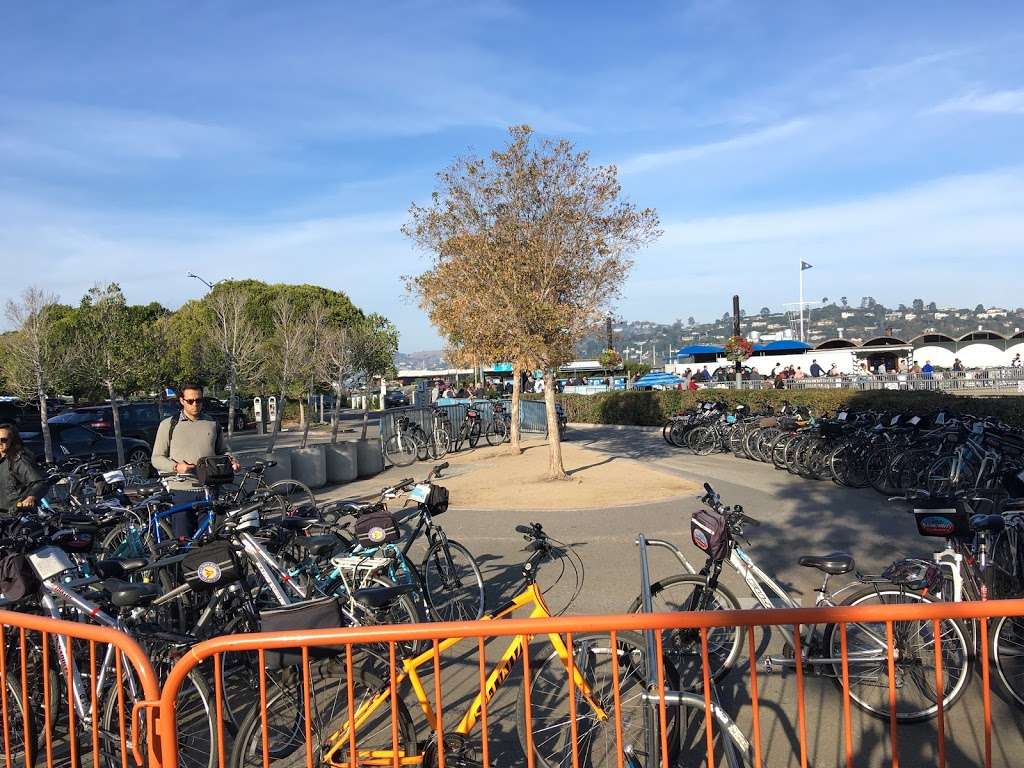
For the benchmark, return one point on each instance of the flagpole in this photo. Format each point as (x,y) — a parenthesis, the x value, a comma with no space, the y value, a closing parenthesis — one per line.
(801,268)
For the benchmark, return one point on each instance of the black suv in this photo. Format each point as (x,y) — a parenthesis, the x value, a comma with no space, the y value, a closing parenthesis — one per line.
(215,409)
(139,420)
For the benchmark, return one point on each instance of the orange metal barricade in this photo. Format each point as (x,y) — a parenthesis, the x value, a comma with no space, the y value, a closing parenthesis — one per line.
(100,714)
(368,675)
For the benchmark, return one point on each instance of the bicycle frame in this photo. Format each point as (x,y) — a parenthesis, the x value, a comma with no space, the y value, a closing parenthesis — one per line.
(529,597)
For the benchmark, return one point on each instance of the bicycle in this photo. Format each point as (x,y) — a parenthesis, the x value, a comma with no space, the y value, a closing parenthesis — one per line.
(381,719)
(408,442)
(469,430)
(716,533)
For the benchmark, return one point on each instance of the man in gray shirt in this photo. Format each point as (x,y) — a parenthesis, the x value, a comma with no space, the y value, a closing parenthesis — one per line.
(181,441)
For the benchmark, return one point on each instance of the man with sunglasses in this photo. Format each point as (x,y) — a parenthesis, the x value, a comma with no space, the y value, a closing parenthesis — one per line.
(21,482)
(181,441)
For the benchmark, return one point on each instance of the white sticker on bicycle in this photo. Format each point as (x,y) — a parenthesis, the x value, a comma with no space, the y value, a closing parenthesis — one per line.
(420,492)
(915,421)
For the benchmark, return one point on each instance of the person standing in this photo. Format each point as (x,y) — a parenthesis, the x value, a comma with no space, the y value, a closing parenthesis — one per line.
(22,485)
(815,369)
(181,441)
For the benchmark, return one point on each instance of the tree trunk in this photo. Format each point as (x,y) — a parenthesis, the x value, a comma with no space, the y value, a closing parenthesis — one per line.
(44,416)
(305,423)
(366,416)
(337,403)
(277,424)
(517,392)
(232,385)
(556,471)
(117,423)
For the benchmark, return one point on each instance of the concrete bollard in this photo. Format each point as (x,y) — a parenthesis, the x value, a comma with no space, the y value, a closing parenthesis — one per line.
(342,463)
(283,469)
(309,466)
(370,460)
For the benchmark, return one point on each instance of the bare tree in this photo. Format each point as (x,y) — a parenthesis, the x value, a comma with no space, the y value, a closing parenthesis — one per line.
(315,329)
(530,249)
(32,362)
(288,348)
(333,362)
(237,342)
(374,345)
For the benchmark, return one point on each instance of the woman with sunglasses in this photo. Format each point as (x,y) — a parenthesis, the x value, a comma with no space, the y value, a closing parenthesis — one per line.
(21,482)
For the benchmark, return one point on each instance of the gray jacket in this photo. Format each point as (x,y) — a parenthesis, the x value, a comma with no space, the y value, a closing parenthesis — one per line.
(19,477)
(191,441)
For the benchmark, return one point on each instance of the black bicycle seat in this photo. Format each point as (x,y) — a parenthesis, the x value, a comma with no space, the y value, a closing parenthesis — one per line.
(124,594)
(319,546)
(116,569)
(833,564)
(992,523)
(379,597)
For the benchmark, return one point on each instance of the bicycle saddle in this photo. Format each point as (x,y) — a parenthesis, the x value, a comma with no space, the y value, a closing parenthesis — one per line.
(379,597)
(319,546)
(124,594)
(833,564)
(993,523)
(117,569)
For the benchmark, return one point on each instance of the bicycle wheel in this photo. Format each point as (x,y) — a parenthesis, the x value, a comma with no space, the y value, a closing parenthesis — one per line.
(689,592)
(474,434)
(197,726)
(454,584)
(401,450)
(706,442)
(297,498)
(19,732)
(496,432)
(914,658)
(596,745)
(1007,654)
(329,717)
(440,443)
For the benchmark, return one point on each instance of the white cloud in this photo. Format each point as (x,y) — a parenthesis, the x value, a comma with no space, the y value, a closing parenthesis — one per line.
(655,160)
(1009,102)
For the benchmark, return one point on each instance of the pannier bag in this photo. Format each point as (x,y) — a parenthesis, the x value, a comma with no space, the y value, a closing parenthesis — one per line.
(324,613)
(710,533)
(376,528)
(214,470)
(211,566)
(437,499)
(18,579)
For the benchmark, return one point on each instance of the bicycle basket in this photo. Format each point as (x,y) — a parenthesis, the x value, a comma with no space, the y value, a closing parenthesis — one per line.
(710,532)
(214,470)
(377,528)
(437,500)
(915,574)
(324,613)
(211,566)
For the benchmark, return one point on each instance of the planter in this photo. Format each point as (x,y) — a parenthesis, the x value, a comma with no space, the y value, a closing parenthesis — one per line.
(309,466)
(283,469)
(369,459)
(342,464)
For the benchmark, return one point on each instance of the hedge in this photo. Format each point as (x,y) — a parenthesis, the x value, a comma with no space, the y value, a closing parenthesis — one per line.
(652,408)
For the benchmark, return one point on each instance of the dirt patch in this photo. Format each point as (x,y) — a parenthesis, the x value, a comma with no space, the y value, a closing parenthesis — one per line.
(490,478)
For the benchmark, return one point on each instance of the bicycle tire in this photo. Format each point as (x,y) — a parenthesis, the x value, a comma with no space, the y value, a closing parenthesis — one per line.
(497,433)
(441,585)
(595,739)
(298,498)
(725,644)
(1007,654)
(401,452)
(954,637)
(474,434)
(19,744)
(286,726)
(440,443)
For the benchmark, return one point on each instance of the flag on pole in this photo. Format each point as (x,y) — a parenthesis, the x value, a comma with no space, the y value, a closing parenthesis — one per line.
(804,265)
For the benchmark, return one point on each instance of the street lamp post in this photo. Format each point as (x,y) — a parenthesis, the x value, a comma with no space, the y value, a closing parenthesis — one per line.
(207,283)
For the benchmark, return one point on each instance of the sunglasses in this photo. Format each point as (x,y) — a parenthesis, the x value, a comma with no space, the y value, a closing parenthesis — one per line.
(192,400)
(4,440)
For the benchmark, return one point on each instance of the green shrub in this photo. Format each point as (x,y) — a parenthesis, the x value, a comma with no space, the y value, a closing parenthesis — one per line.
(652,408)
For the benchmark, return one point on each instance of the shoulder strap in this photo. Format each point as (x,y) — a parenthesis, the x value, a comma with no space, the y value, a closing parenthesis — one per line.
(170,430)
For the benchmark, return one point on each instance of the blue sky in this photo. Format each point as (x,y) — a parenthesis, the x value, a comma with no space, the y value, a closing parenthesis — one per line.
(285,141)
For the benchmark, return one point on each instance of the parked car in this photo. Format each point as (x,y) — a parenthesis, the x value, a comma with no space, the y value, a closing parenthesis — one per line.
(396,398)
(216,409)
(139,420)
(23,415)
(76,441)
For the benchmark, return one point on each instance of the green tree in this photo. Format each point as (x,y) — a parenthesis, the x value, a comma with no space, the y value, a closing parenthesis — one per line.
(374,344)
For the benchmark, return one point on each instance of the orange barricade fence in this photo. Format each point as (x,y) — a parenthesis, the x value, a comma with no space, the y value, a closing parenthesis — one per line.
(882,685)
(74,694)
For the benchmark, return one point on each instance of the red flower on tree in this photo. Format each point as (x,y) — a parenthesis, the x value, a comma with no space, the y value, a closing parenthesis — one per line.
(738,349)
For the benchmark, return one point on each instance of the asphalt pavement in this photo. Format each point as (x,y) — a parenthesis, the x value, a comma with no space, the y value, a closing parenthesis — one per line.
(797,517)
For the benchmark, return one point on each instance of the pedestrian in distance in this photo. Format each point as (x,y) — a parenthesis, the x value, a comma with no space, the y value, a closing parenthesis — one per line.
(1016,362)
(957,365)
(692,384)
(22,485)
(181,441)
(815,369)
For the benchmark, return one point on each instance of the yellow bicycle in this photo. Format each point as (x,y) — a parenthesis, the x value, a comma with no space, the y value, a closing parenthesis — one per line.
(604,710)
